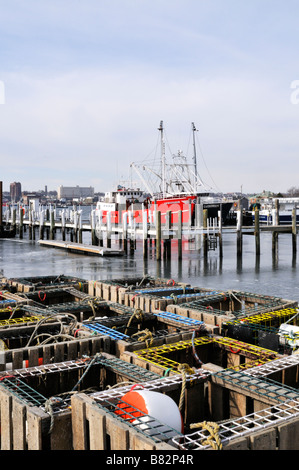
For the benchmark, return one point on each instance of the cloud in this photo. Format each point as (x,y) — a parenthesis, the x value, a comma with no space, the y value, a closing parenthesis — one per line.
(90,125)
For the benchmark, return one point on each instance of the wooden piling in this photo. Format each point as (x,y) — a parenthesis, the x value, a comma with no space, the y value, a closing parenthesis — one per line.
(257,232)
(294,231)
(220,233)
(205,236)
(109,230)
(180,235)
(30,234)
(14,219)
(275,232)
(158,235)
(144,233)
(21,226)
(63,225)
(239,230)
(167,241)
(80,233)
(130,229)
(52,225)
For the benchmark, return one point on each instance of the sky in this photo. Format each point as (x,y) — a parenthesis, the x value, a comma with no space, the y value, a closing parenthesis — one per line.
(85,84)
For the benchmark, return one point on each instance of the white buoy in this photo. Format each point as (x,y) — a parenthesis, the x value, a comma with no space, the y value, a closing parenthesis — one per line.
(151,405)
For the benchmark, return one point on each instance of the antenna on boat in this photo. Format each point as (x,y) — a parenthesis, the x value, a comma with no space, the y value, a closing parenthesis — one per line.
(194,153)
(161,129)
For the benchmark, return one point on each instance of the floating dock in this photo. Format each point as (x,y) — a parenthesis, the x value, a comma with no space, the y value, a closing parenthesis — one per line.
(80,248)
(73,350)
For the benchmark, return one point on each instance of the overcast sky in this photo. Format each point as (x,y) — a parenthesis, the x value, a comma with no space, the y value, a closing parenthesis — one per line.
(85,85)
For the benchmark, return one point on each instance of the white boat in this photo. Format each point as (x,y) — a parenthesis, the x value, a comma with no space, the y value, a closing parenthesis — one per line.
(268,213)
(123,196)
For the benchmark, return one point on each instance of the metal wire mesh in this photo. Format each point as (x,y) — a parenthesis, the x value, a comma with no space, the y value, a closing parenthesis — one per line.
(147,425)
(243,426)
(249,303)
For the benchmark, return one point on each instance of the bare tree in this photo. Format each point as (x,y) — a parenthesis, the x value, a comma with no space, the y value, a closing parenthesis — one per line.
(293,191)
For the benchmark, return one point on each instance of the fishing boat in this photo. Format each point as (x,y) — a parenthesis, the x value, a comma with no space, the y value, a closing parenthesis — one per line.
(167,186)
(176,185)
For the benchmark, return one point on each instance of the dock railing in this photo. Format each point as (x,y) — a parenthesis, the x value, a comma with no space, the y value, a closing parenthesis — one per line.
(191,222)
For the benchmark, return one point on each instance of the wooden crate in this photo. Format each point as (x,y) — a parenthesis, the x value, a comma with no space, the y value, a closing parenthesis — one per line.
(96,428)
(223,352)
(25,425)
(52,353)
(29,284)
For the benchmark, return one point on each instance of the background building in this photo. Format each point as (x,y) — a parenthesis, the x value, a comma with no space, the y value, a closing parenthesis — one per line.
(71,192)
(15,192)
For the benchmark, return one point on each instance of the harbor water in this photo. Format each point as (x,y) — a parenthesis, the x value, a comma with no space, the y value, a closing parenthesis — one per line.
(267,274)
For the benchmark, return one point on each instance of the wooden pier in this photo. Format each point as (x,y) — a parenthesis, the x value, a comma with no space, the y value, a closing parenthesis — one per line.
(80,248)
(126,228)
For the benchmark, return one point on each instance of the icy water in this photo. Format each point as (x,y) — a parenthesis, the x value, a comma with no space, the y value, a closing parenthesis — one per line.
(268,275)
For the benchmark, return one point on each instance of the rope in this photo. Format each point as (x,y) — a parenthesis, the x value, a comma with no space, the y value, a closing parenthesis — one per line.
(183,285)
(87,369)
(230,293)
(59,320)
(144,336)
(194,350)
(213,439)
(184,368)
(54,338)
(142,280)
(138,313)
(294,316)
(119,384)
(49,405)
(93,303)
(13,311)
(52,401)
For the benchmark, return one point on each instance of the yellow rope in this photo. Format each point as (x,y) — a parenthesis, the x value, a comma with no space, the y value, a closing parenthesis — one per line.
(3,346)
(138,313)
(144,336)
(185,369)
(213,439)
(93,303)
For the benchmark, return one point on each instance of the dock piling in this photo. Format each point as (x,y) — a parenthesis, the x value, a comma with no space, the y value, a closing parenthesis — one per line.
(257,232)
(239,230)
(155,228)
(294,231)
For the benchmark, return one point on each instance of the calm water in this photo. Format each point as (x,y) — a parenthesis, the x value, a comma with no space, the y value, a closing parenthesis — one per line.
(270,276)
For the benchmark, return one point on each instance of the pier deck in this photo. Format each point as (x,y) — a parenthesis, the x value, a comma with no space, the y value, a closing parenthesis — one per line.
(127,227)
(81,248)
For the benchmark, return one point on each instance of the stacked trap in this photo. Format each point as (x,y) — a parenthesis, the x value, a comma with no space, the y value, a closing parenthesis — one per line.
(72,351)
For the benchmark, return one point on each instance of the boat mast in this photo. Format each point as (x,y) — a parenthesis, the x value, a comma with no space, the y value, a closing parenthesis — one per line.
(194,156)
(163,159)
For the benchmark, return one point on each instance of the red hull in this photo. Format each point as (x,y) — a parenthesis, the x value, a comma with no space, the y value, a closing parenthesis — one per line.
(175,205)
(163,205)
